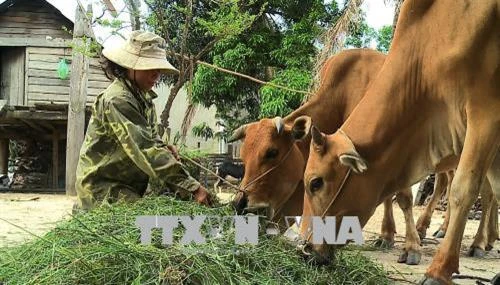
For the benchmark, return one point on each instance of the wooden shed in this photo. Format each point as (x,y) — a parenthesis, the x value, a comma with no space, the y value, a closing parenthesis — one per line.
(34,37)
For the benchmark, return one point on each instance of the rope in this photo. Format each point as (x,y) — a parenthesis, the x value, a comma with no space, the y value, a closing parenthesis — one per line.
(267,171)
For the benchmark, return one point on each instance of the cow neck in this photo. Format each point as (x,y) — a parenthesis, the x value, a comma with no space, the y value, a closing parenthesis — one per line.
(388,108)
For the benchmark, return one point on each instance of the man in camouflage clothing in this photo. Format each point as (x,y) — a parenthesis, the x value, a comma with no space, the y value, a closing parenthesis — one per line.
(122,150)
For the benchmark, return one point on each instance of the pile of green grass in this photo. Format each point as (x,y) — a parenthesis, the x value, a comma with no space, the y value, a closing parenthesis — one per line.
(103,247)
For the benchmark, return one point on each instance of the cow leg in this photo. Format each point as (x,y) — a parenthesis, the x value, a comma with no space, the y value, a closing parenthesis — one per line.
(478,247)
(494,179)
(441,232)
(480,147)
(412,251)
(444,226)
(424,220)
(388,228)
(493,225)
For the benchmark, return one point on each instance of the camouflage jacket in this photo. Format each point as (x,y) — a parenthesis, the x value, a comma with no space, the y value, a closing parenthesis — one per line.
(122,150)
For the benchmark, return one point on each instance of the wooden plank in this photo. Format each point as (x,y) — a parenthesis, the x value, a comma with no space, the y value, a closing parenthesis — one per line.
(33,102)
(94,87)
(78,98)
(55,160)
(53,66)
(27,41)
(50,57)
(26,60)
(58,89)
(21,19)
(33,15)
(4,156)
(30,25)
(96,77)
(21,75)
(35,115)
(97,85)
(50,51)
(47,97)
(43,32)
(48,81)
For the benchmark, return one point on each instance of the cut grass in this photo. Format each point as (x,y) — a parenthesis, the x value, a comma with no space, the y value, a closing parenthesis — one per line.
(103,247)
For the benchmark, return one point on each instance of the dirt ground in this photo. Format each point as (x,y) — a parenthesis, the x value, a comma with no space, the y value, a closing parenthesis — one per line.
(487,267)
(38,213)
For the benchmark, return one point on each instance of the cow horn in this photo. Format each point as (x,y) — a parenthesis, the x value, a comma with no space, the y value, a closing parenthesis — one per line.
(278,122)
(238,134)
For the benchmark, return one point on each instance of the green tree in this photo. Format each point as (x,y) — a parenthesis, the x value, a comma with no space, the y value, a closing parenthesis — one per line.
(279,47)
(192,28)
(384,39)
(361,36)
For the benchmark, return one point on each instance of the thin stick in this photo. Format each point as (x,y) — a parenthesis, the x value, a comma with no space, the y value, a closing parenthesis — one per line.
(242,75)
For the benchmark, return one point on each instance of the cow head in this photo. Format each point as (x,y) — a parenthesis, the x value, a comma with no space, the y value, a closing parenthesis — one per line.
(274,163)
(334,185)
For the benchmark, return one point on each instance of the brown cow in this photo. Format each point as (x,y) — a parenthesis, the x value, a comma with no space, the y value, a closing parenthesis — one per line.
(435,104)
(344,80)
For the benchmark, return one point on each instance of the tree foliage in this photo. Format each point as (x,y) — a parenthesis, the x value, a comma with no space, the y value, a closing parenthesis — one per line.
(279,47)
(384,38)
(192,28)
(362,36)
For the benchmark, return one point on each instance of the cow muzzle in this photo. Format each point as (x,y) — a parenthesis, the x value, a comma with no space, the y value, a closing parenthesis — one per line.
(316,254)
(240,202)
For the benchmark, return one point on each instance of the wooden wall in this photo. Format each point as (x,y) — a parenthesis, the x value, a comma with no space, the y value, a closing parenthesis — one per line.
(33,63)
(33,19)
(43,84)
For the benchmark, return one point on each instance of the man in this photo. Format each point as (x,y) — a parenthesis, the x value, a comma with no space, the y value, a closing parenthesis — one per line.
(122,150)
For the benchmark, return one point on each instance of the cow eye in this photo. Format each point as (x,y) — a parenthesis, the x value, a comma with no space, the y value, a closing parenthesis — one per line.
(271,153)
(316,184)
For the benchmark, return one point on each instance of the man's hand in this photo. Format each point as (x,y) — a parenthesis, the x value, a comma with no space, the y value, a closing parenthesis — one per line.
(174,152)
(202,196)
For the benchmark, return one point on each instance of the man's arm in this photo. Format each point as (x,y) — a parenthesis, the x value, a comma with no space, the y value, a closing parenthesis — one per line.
(136,137)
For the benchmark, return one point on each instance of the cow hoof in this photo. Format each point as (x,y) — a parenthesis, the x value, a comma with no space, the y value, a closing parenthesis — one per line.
(439,234)
(410,258)
(476,252)
(488,247)
(429,281)
(383,243)
(496,280)
(413,258)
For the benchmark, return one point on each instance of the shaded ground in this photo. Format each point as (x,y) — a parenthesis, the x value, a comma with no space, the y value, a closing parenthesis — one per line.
(39,212)
(487,267)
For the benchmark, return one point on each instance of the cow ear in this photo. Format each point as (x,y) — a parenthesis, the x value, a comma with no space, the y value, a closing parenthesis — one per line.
(318,140)
(238,134)
(301,127)
(353,160)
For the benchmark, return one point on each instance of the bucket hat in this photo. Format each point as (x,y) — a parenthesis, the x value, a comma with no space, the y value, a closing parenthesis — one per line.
(142,51)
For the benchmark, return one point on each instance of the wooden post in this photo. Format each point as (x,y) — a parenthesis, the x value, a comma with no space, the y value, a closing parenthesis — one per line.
(55,160)
(4,156)
(77,97)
